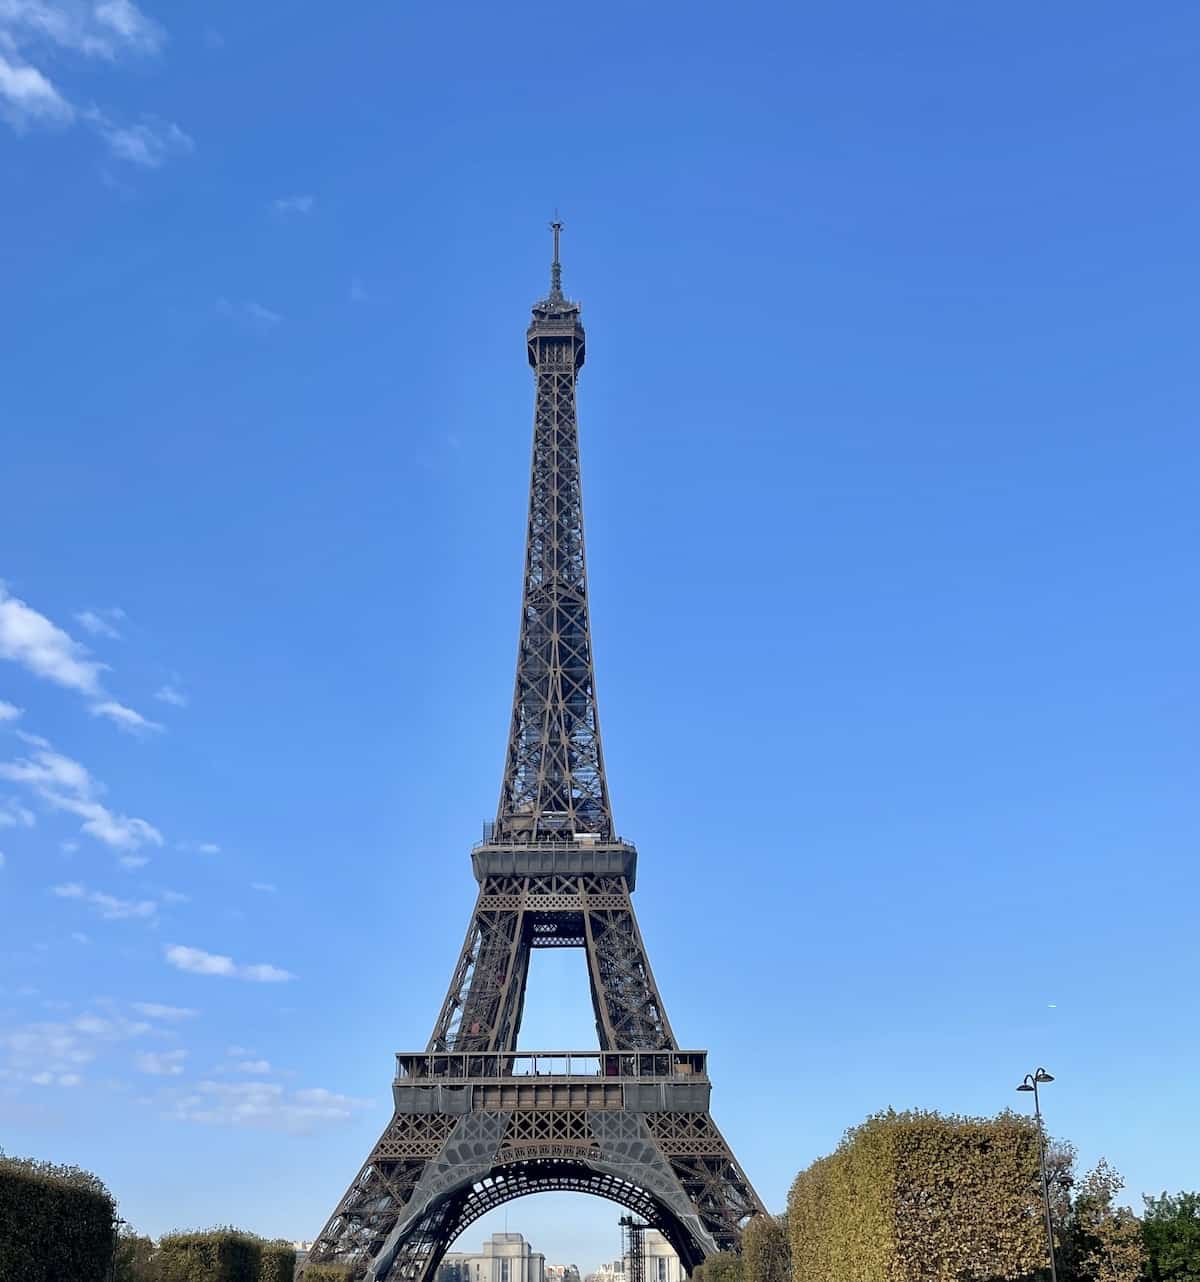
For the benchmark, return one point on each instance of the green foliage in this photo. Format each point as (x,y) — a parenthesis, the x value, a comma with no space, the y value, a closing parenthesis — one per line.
(1171,1233)
(277,1262)
(766,1251)
(56,1222)
(1101,1242)
(724,1267)
(920,1197)
(325,1273)
(217,1255)
(135,1258)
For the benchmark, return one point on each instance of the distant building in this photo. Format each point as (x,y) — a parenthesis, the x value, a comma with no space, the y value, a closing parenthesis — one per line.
(614,1272)
(506,1257)
(562,1273)
(662,1264)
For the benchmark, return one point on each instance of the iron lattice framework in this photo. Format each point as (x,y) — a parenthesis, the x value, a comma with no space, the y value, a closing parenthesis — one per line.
(477,1123)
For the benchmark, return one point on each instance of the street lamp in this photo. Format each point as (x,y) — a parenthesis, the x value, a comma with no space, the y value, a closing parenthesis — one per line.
(1031,1082)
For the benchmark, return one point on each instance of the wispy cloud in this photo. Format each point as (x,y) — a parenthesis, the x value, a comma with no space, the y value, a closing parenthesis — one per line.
(156,1010)
(107,906)
(358,291)
(55,1053)
(151,142)
(198,962)
(41,647)
(198,847)
(249,315)
(101,29)
(172,695)
(254,1066)
(101,623)
(265,1105)
(124,718)
(66,785)
(10,711)
(294,204)
(266,887)
(161,1063)
(28,98)
(15,815)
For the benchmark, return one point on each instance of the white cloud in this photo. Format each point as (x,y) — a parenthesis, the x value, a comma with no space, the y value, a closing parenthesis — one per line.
(130,25)
(249,315)
(41,647)
(199,847)
(98,622)
(15,815)
(198,962)
(102,29)
(132,862)
(79,937)
(27,97)
(30,639)
(149,143)
(49,1053)
(265,886)
(254,1066)
(107,906)
(3,859)
(124,718)
(161,1063)
(156,1010)
(62,1079)
(68,847)
(265,1105)
(172,695)
(294,204)
(264,974)
(67,785)
(9,711)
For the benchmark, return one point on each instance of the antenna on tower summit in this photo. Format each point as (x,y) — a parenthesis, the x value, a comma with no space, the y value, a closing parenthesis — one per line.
(556,267)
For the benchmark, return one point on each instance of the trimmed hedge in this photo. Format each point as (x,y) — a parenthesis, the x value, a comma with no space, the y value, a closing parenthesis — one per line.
(55,1222)
(277,1262)
(218,1255)
(325,1273)
(918,1197)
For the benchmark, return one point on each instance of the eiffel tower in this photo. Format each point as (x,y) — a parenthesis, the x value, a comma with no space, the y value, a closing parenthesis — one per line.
(478,1123)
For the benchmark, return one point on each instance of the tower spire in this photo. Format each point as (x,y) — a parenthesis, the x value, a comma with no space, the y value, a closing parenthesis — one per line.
(554,785)
(556,267)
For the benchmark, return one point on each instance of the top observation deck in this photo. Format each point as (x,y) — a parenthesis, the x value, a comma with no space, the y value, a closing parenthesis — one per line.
(582,856)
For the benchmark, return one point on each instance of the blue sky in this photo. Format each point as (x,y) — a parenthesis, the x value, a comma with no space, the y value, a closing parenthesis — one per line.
(890,447)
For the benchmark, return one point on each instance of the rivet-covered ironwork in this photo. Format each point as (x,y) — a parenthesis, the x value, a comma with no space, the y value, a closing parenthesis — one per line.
(477,1122)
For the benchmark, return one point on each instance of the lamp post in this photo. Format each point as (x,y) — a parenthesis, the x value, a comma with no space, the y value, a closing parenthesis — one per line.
(1031,1082)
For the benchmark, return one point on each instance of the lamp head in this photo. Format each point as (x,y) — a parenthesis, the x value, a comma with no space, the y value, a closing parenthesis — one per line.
(1042,1076)
(1026,1085)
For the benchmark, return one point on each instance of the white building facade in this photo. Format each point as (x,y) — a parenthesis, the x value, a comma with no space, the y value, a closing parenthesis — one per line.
(506,1257)
(662,1264)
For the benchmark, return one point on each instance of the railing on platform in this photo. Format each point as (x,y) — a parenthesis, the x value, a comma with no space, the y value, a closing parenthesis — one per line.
(472,1066)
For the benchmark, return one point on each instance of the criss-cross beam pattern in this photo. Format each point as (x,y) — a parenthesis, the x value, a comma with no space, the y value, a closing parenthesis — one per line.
(554,783)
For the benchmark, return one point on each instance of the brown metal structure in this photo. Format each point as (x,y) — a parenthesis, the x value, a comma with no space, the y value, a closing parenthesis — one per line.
(476,1122)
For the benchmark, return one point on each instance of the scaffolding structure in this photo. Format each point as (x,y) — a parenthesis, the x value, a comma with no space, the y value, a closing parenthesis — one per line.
(633,1248)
